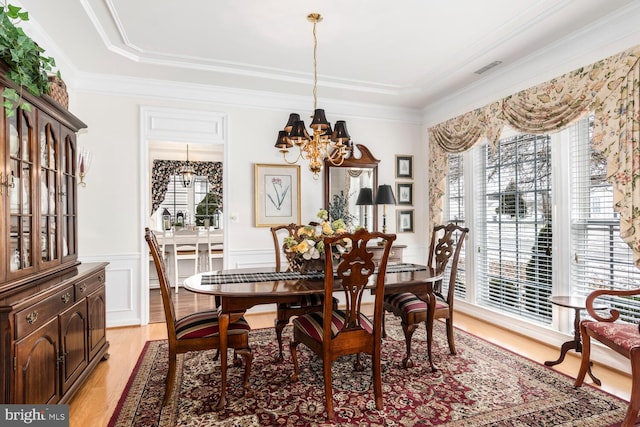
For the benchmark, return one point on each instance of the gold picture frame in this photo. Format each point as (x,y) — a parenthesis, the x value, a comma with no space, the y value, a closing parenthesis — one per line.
(277,194)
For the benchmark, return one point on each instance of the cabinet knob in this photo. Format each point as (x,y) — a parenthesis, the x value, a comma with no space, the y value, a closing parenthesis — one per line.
(83,288)
(101,278)
(32,317)
(66,297)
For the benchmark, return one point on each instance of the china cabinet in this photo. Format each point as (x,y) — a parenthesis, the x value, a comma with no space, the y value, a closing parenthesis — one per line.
(52,308)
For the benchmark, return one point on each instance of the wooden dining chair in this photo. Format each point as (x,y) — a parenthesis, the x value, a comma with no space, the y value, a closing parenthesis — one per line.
(306,304)
(446,244)
(332,333)
(197,331)
(622,337)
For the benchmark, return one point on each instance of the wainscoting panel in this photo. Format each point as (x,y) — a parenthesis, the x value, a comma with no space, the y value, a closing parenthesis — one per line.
(122,288)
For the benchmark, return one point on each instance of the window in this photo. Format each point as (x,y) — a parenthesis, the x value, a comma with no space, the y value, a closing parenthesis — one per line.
(190,203)
(601,259)
(455,213)
(513,217)
(528,188)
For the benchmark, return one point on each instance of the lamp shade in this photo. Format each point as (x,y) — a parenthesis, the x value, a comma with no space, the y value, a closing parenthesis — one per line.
(298,133)
(319,120)
(365,197)
(283,141)
(293,117)
(340,134)
(385,196)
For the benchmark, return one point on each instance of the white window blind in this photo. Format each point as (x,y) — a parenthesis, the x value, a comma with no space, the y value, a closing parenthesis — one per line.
(454,211)
(601,259)
(513,227)
(185,199)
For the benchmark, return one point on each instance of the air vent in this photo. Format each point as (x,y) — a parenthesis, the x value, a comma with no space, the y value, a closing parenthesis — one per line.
(487,67)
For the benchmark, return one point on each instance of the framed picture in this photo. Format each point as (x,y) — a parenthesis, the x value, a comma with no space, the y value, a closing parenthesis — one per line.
(405,221)
(404,166)
(277,192)
(404,190)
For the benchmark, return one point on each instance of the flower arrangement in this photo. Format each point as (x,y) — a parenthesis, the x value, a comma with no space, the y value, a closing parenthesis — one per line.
(307,245)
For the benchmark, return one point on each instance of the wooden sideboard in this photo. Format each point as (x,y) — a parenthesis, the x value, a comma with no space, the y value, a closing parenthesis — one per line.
(52,335)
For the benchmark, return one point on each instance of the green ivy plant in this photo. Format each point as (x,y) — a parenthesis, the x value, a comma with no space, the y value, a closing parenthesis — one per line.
(28,66)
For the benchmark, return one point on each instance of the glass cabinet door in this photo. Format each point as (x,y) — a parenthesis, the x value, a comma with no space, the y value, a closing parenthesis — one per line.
(20,201)
(68,195)
(49,141)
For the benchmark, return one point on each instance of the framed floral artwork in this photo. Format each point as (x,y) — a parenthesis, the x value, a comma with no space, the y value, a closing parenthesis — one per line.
(404,166)
(404,191)
(277,194)
(405,221)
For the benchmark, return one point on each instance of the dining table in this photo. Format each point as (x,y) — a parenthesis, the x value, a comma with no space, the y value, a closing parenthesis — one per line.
(238,290)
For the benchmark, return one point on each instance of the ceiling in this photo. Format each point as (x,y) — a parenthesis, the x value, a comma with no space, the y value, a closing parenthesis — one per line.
(405,53)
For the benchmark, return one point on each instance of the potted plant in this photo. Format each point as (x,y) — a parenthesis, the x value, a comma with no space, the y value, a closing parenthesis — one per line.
(28,67)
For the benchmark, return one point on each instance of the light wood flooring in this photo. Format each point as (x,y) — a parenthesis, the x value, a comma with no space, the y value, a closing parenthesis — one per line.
(95,402)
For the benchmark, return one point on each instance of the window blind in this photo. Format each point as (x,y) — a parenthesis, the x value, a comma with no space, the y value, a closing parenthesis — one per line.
(455,213)
(514,227)
(601,259)
(179,198)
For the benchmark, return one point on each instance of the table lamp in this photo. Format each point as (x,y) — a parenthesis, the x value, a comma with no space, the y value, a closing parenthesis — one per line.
(365,198)
(385,197)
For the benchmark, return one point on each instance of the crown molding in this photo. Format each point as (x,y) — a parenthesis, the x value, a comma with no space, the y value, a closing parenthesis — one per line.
(109,85)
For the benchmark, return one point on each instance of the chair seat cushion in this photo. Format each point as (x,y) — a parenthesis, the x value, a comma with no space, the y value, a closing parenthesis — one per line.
(205,324)
(625,335)
(308,301)
(407,302)
(311,324)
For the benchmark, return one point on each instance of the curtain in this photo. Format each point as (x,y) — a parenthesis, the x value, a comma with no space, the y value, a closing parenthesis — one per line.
(608,87)
(162,171)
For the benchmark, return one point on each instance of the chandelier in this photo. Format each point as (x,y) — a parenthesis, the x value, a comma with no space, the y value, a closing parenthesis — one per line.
(187,172)
(324,143)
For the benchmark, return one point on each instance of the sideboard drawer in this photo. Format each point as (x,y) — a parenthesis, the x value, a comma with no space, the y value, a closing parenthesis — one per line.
(89,285)
(30,319)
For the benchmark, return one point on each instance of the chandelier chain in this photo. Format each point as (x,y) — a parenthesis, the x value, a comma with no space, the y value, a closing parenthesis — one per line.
(315,67)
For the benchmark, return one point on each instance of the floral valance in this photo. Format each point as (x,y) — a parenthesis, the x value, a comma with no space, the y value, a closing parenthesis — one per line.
(608,87)
(163,170)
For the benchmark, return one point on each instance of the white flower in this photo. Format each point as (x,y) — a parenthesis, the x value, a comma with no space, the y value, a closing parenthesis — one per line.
(312,252)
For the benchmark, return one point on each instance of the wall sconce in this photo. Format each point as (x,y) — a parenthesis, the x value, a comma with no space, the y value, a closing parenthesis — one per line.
(84,162)
(385,197)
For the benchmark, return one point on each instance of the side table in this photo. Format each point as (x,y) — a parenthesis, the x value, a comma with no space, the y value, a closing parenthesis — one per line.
(577,304)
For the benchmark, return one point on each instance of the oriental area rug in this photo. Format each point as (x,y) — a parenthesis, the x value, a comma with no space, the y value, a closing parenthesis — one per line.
(483,385)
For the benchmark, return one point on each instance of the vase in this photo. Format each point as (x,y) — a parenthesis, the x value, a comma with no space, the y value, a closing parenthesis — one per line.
(312,265)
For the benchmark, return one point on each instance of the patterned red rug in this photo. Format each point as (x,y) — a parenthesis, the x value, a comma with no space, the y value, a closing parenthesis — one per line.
(484,385)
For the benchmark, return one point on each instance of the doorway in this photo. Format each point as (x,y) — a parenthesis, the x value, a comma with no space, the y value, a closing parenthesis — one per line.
(165,134)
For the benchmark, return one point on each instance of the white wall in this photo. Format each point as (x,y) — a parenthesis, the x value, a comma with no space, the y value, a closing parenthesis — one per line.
(111,205)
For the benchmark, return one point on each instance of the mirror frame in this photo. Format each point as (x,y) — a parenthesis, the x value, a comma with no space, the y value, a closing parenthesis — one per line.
(365,160)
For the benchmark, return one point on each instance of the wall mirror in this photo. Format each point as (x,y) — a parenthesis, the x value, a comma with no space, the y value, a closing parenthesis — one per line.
(349,189)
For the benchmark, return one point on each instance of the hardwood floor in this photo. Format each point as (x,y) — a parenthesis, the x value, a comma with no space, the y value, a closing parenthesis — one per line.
(97,399)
